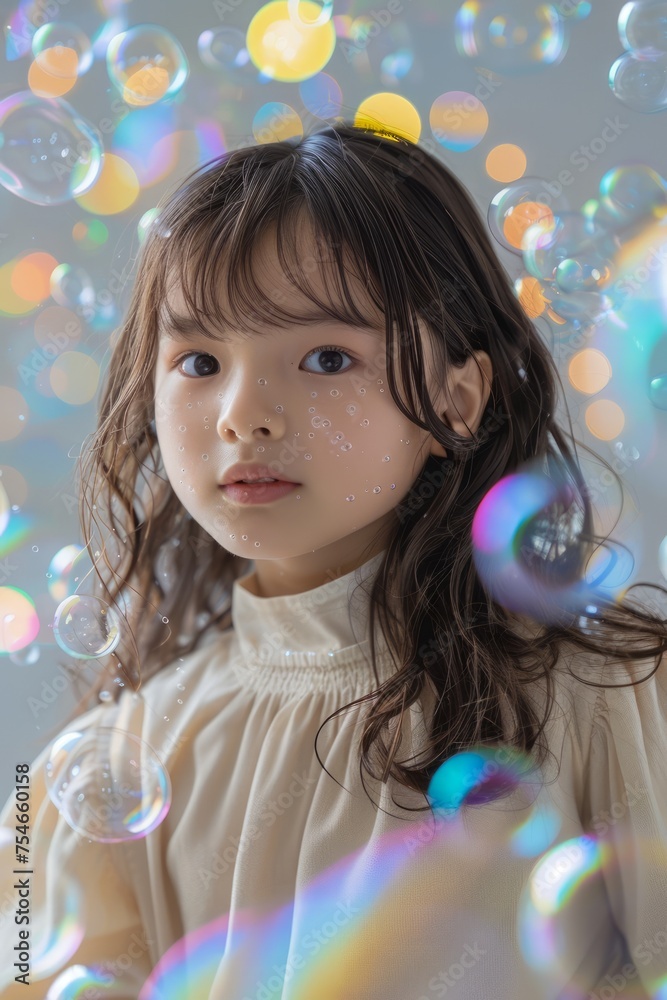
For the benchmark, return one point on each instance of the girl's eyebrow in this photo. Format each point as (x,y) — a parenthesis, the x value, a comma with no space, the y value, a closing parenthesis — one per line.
(186,328)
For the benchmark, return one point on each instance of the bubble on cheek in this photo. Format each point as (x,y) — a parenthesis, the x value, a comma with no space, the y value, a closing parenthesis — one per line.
(365,423)
(182,427)
(386,458)
(351,409)
(351,497)
(307,457)
(205,458)
(335,392)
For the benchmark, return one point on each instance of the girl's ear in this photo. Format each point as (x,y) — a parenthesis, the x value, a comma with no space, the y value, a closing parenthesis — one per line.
(469,389)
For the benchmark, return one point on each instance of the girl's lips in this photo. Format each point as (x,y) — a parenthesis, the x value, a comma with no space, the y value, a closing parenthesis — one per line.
(250,493)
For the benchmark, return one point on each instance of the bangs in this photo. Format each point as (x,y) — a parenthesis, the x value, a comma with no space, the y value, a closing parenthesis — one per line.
(318,278)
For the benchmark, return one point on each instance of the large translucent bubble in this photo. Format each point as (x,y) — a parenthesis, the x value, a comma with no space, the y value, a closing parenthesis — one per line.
(107,784)
(48,152)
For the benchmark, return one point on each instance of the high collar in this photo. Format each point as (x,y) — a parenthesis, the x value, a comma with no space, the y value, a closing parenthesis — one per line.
(316,640)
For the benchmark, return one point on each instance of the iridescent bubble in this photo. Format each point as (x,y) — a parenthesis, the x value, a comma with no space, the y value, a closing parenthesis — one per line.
(64,933)
(572,251)
(48,152)
(19,624)
(79,982)
(321,95)
(640,81)
(529,547)
(550,896)
(145,222)
(60,571)
(62,49)
(85,627)
(643,26)
(577,308)
(223,49)
(71,286)
(4,508)
(520,205)
(631,194)
(657,391)
(662,557)
(507,42)
(107,784)
(146,64)
(475,777)
(459,120)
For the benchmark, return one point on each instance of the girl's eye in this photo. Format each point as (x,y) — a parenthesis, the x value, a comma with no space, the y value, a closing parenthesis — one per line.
(330,363)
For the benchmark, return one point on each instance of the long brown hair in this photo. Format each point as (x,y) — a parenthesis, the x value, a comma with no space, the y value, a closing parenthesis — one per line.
(411,228)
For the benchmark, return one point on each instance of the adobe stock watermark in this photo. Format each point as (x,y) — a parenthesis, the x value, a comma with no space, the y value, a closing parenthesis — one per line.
(305,949)
(583,156)
(221,862)
(445,980)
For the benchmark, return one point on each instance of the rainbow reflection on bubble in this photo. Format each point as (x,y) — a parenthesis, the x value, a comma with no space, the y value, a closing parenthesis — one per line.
(76,982)
(53,949)
(459,121)
(504,41)
(107,784)
(527,547)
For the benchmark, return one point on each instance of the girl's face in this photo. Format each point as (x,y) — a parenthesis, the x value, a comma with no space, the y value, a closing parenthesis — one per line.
(311,402)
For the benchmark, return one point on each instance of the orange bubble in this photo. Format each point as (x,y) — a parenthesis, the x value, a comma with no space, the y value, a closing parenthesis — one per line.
(605,419)
(59,60)
(45,84)
(589,370)
(521,217)
(506,163)
(30,277)
(531,296)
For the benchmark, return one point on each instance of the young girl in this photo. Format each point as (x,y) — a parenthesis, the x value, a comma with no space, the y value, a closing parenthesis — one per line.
(301,660)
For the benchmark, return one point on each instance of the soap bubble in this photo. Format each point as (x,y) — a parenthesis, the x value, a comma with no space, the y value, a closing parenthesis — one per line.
(146,64)
(77,981)
(643,26)
(640,81)
(107,784)
(224,49)
(530,546)
(477,776)
(71,286)
(85,627)
(48,152)
(504,41)
(572,251)
(520,205)
(657,392)
(62,49)
(631,194)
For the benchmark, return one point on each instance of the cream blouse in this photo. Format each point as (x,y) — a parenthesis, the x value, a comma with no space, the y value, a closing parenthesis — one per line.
(269,879)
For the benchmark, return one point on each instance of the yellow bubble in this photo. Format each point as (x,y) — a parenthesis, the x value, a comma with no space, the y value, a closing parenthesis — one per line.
(289,49)
(74,377)
(116,188)
(390,111)
(605,419)
(589,370)
(506,162)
